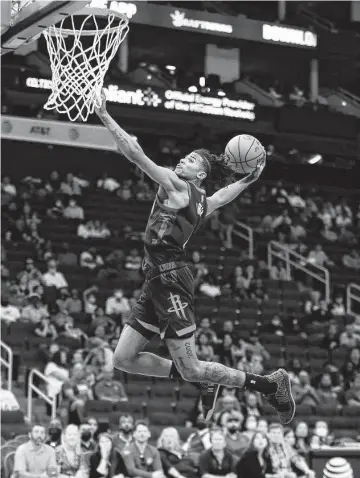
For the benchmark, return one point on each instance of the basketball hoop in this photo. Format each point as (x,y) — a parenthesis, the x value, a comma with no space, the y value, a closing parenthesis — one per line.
(80,58)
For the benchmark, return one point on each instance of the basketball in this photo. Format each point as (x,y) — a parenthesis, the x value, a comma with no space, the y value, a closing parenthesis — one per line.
(243,153)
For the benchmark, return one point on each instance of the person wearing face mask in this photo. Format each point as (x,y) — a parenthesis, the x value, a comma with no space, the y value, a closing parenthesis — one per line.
(321,430)
(236,441)
(106,461)
(87,442)
(54,433)
(125,435)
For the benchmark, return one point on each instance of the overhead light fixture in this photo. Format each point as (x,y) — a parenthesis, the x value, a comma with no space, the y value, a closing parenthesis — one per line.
(221,93)
(202,81)
(192,89)
(315,159)
(170,67)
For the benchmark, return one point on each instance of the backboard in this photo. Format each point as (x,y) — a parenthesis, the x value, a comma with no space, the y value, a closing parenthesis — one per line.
(22,21)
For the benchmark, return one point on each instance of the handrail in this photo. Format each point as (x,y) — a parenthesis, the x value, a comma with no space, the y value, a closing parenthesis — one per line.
(7,363)
(350,296)
(33,388)
(302,263)
(248,236)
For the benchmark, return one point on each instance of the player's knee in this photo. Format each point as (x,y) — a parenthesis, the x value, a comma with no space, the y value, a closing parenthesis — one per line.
(122,359)
(191,374)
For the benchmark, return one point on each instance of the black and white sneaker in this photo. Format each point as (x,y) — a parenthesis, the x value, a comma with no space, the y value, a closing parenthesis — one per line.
(282,400)
(208,396)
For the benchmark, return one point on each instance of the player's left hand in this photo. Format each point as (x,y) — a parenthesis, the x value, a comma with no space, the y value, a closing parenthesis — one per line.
(102,107)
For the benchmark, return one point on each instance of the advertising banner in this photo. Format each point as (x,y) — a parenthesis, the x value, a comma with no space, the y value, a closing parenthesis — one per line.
(169,100)
(56,132)
(237,27)
(336,462)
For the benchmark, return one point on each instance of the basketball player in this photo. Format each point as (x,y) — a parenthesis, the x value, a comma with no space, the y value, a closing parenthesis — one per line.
(166,305)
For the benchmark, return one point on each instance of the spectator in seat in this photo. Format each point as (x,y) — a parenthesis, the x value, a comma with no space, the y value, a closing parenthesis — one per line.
(54,182)
(208,285)
(349,338)
(263,426)
(35,458)
(337,308)
(46,329)
(101,231)
(8,401)
(54,433)
(302,442)
(282,223)
(347,237)
(352,260)
(69,457)
(107,183)
(204,349)
(206,328)
(56,210)
(321,430)
(280,460)
(171,454)
(9,313)
(117,304)
(94,427)
(125,435)
(299,465)
(250,426)
(90,259)
(319,258)
(325,391)
(352,396)
(56,371)
(331,340)
(107,388)
(278,194)
(218,461)
(278,272)
(66,257)
(297,231)
(354,358)
(275,327)
(322,314)
(255,463)
(73,303)
(70,187)
(266,224)
(304,393)
(32,274)
(54,278)
(252,406)
(133,260)
(141,459)
(228,401)
(86,230)
(227,351)
(228,215)
(295,200)
(7,188)
(236,441)
(35,311)
(90,300)
(329,234)
(343,220)
(106,461)
(239,283)
(256,347)
(327,214)
(73,211)
(76,392)
(87,443)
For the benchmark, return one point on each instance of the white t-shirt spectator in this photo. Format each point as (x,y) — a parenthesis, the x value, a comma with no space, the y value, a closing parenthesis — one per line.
(8,188)
(34,314)
(109,184)
(9,313)
(296,201)
(57,376)
(55,279)
(318,257)
(117,305)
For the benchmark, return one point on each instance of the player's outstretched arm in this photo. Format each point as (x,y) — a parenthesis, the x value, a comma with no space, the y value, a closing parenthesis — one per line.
(131,149)
(229,193)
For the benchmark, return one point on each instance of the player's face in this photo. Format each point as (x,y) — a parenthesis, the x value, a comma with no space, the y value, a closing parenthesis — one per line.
(191,167)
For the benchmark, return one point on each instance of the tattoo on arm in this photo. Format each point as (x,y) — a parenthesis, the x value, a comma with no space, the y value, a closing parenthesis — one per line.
(189,352)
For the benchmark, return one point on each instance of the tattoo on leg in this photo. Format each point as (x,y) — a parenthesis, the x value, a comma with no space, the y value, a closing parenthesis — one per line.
(218,373)
(188,350)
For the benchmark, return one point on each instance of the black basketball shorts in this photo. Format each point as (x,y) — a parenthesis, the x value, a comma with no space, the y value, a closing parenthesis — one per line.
(166,306)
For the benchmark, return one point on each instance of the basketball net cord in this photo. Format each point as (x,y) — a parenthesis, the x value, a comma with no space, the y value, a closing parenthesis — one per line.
(78,72)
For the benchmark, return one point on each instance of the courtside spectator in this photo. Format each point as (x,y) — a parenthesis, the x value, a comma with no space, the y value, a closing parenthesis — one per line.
(124,436)
(352,396)
(322,432)
(34,458)
(54,278)
(107,388)
(141,459)
(299,464)
(106,461)
(217,461)
(280,460)
(302,439)
(88,444)
(171,453)
(54,433)
(69,457)
(73,211)
(255,462)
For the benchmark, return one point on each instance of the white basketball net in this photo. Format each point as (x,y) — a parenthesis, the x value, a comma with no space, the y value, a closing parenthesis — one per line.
(78,71)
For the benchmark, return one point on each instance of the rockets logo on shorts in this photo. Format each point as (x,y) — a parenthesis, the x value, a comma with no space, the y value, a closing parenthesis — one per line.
(177,306)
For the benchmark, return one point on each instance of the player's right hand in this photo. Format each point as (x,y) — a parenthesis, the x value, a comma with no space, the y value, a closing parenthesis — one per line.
(102,103)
